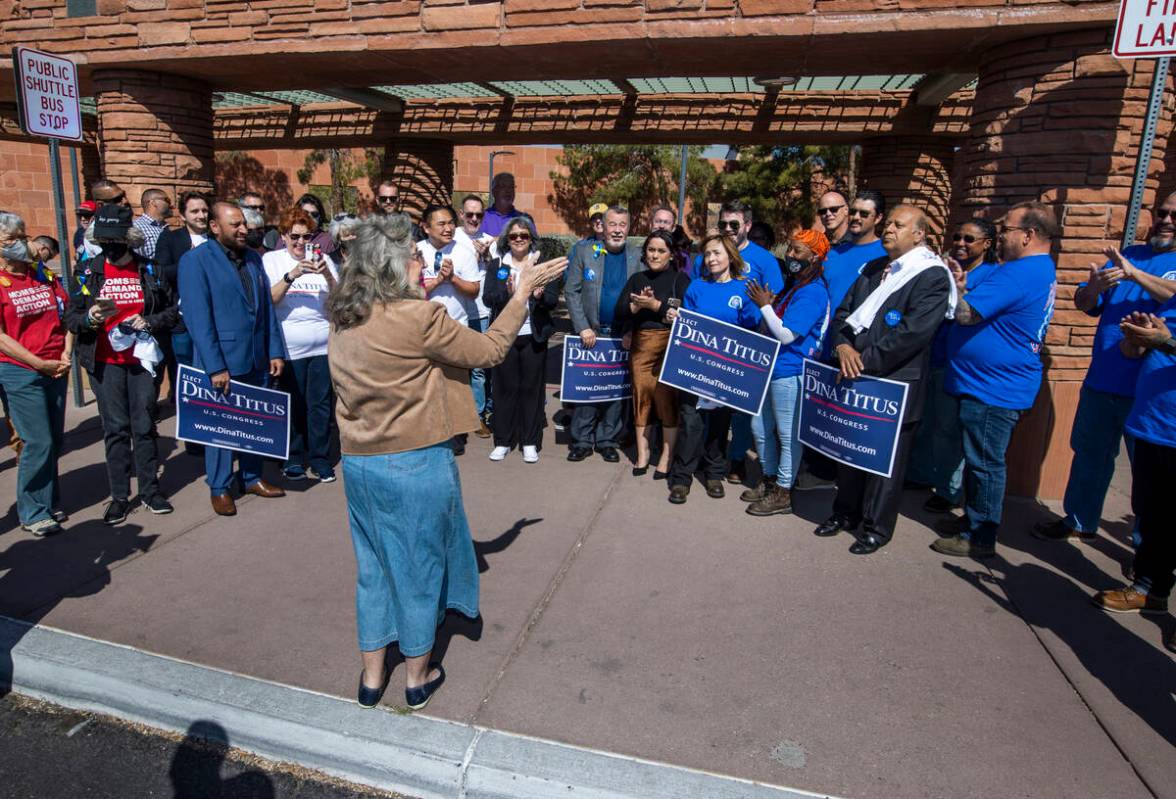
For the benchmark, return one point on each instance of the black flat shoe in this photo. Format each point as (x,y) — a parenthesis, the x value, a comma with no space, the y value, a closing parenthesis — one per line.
(639,471)
(660,475)
(831,527)
(417,698)
(370,697)
(610,454)
(577,454)
(868,544)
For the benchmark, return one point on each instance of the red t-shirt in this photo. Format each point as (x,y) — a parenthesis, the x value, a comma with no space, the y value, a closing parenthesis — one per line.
(121,285)
(30,312)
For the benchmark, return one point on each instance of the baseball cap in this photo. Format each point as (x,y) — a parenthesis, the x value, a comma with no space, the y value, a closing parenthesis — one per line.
(596,209)
(112,223)
(88,205)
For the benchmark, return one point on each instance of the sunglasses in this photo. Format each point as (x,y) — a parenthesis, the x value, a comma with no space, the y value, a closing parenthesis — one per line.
(1164,213)
(473,215)
(730,224)
(312,214)
(253,207)
(300,236)
(832,210)
(85,214)
(968,238)
(860,212)
(115,200)
(519,237)
(384,198)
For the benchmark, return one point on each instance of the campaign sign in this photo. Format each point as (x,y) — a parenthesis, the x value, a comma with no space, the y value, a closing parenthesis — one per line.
(247,419)
(855,422)
(599,374)
(718,361)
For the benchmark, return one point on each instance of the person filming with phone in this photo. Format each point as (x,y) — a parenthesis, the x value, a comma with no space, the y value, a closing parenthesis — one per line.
(300,277)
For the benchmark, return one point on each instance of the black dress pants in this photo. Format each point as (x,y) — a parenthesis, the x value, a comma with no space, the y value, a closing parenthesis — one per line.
(1151,500)
(872,500)
(702,442)
(126,397)
(517,386)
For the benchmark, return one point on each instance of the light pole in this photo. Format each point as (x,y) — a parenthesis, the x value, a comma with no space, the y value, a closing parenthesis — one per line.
(493,153)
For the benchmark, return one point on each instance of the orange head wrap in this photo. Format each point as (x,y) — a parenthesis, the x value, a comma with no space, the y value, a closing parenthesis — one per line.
(815,240)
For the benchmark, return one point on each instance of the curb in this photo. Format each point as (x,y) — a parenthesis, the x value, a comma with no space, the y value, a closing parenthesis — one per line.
(416,755)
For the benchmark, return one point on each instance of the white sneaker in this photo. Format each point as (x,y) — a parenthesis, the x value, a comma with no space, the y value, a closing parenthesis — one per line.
(530,455)
(499,453)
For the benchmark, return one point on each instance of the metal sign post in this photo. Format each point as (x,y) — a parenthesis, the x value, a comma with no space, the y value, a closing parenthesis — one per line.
(47,96)
(1143,162)
(682,189)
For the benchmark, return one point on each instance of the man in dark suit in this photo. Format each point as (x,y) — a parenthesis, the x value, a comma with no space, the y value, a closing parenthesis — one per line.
(884,328)
(596,274)
(235,334)
(169,248)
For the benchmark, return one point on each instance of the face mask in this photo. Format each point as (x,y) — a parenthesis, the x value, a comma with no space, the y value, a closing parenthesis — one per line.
(255,238)
(17,251)
(115,251)
(795,265)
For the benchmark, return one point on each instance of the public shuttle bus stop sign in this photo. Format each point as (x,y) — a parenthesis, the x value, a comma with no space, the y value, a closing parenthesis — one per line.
(47,88)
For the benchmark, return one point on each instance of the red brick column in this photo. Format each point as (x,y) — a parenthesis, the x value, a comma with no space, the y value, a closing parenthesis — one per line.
(1058,119)
(422,169)
(154,130)
(912,169)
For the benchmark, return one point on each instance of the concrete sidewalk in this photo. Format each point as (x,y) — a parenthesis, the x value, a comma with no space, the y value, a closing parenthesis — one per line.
(692,635)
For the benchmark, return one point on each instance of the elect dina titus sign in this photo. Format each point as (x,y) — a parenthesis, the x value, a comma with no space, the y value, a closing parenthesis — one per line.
(854,422)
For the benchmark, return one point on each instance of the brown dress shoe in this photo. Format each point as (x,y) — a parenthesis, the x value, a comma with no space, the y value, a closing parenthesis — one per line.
(483,431)
(263,489)
(1128,600)
(223,505)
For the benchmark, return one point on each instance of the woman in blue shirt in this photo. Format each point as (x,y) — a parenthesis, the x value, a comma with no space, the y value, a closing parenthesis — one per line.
(720,293)
(797,317)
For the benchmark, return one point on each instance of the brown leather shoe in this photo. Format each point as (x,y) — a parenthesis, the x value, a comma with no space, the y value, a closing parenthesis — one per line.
(263,489)
(1128,600)
(223,505)
(483,431)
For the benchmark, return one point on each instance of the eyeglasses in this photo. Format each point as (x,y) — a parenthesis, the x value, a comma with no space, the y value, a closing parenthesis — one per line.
(519,237)
(253,207)
(1164,213)
(311,214)
(473,215)
(860,212)
(1006,228)
(730,224)
(300,236)
(832,210)
(385,198)
(968,238)
(115,200)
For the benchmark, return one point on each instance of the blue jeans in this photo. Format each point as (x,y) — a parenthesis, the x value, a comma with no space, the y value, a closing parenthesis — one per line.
(218,462)
(986,433)
(309,382)
(37,406)
(741,437)
(413,552)
(1098,426)
(480,378)
(937,459)
(777,430)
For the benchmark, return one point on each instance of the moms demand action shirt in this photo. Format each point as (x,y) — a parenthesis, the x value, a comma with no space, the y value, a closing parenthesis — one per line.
(30,312)
(123,287)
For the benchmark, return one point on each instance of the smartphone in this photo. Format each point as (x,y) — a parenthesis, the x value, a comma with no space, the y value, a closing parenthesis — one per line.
(674,302)
(106,305)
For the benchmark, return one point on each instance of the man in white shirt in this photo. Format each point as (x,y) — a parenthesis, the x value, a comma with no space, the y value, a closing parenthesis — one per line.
(469,233)
(450,270)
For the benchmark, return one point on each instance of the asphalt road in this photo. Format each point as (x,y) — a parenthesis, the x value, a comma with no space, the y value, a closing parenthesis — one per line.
(48,751)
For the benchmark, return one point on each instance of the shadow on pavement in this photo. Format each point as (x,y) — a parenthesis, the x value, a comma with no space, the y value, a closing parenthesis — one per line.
(196,768)
(499,544)
(1137,673)
(36,574)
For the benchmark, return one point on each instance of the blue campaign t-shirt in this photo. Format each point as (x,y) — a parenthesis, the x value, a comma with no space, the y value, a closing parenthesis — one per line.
(998,360)
(843,264)
(762,267)
(613,282)
(1153,414)
(1109,370)
(807,316)
(728,302)
(939,345)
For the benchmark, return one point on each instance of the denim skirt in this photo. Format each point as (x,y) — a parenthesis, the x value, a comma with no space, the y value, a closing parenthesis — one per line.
(413,551)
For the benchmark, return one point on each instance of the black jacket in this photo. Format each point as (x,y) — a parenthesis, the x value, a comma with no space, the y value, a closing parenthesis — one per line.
(901,351)
(159,305)
(495,295)
(171,246)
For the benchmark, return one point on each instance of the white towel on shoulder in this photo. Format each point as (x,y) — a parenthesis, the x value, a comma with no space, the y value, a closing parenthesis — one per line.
(902,271)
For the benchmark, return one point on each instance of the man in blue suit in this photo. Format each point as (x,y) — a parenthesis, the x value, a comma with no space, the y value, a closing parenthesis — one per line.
(225,300)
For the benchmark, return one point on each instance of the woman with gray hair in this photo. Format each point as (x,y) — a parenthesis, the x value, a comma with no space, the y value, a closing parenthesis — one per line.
(342,232)
(33,371)
(400,367)
(518,382)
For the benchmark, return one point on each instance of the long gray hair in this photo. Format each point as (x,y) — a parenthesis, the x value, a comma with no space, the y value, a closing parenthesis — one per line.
(376,271)
(11,225)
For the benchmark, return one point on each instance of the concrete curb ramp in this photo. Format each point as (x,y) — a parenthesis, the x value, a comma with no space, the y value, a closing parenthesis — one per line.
(416,755)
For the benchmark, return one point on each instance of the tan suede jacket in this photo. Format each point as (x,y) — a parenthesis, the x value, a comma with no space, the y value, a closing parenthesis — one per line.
(402,377)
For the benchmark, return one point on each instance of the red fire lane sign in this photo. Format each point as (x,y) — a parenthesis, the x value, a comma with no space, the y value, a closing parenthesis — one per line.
(1146,29)
(47,87)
